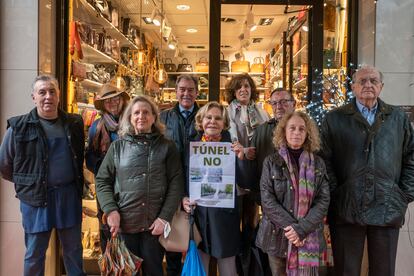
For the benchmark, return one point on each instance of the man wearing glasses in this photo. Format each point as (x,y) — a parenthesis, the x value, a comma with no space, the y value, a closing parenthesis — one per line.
(368,148)
(282,102)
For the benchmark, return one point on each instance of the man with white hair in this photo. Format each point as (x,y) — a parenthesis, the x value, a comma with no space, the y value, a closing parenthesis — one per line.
(368,148)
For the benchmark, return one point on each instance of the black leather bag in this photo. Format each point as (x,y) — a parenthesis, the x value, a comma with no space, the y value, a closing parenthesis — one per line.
(169,66)
(224,64)
(184,66)
(246,173)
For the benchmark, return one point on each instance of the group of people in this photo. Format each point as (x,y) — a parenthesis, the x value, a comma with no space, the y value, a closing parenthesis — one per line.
(358,175)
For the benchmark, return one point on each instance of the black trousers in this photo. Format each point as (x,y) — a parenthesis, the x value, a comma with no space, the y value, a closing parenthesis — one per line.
(147,247)
(174,265)
(348,247)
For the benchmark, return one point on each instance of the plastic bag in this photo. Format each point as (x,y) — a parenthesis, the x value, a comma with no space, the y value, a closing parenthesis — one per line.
(118,260)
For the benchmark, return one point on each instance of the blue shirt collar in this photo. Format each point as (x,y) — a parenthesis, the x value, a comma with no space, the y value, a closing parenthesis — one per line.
(183,109)
(362,108)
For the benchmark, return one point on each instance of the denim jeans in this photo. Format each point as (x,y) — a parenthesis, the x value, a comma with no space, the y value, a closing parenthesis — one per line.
(37,244)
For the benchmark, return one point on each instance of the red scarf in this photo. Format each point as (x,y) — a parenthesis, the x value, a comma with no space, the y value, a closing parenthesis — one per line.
(207,138)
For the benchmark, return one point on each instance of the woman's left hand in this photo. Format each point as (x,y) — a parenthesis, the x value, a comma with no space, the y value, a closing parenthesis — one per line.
(157,227)
(238,150)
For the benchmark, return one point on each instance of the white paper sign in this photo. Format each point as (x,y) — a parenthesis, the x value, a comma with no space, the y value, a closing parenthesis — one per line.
(212,171)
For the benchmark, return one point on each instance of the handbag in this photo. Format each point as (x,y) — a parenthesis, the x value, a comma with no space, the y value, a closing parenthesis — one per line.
(79,70)
(178,239)
(224,64)
(202,65)
(246,171)
(258,65)
(240,65)
(169,66)
(184,66)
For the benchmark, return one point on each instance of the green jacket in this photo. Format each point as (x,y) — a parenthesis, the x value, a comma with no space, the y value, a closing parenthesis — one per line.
(141,177)
(370,168)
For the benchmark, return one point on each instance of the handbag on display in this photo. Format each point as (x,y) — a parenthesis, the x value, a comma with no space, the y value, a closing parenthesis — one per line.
(169,66)
(240,65)
(224,64)
(179,237)
(184,66)
(79,70)
(258,65)
(202,65)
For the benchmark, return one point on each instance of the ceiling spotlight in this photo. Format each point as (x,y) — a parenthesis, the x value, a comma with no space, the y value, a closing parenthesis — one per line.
(183,7)
(156,17)
(172,44)
(250,21)
(191,30)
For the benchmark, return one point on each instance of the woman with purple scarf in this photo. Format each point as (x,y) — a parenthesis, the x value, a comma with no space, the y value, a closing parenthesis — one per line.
(295,198)
(111,102)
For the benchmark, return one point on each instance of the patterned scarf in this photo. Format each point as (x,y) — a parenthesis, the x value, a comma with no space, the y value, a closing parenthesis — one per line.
(206,138)
(303,261)
(102,138)
(251,116)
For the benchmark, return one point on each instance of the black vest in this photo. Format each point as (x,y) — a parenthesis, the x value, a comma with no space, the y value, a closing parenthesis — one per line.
(31,158)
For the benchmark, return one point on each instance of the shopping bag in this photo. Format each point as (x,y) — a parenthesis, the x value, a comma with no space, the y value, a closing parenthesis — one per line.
(177,240)
(118,260)
(192,264)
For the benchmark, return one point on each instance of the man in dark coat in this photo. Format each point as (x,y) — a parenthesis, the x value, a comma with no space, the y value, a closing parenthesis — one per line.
(42,154)
(282,102)
(368,148)
(179,122)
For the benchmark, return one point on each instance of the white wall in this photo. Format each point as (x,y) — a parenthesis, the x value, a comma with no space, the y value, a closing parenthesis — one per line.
(386,39)
(18,67)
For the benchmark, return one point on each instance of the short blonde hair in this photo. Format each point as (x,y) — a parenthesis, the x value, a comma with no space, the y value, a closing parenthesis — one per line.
(126,127)
(312,141)
(202,112)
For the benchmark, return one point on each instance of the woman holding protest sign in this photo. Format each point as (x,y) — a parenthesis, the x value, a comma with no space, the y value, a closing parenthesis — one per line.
(140,183)
(219,227)
(295,198)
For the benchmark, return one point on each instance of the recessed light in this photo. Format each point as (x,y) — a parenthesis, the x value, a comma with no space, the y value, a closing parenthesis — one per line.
(147,20)
(228,20)
(195,47)
(265,21)
(183,7)
(191,30)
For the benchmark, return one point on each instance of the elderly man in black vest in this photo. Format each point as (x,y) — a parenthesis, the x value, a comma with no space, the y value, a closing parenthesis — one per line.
(42,154)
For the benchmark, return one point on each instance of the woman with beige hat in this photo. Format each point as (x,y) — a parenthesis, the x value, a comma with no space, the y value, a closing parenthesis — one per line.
(111,103)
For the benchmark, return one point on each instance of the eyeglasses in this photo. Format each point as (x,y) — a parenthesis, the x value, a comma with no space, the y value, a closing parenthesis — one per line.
(282,102)
(373,81)
(114,100)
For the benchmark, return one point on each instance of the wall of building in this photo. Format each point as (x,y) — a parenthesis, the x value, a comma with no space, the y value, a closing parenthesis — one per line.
(18,67)
(394,55)
(386,39)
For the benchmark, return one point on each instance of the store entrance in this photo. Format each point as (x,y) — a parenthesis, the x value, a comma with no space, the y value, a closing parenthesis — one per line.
(270,43)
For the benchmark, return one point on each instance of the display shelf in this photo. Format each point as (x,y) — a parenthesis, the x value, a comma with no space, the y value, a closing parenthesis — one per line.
(85,105)
(93,55)
(87,82)
(300,50)
(238,73)
(187,73)
(301,82)
(86,10)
